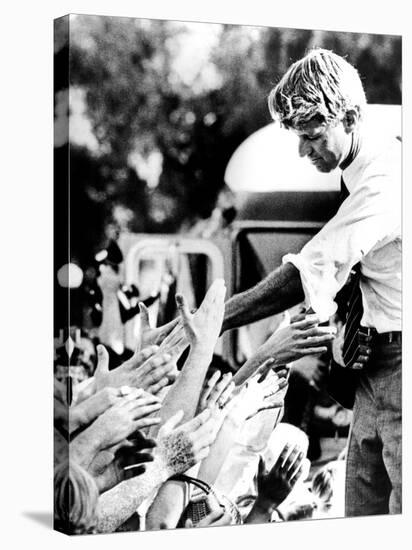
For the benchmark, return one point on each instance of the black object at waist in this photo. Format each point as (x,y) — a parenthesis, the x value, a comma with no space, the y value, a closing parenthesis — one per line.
(394,336)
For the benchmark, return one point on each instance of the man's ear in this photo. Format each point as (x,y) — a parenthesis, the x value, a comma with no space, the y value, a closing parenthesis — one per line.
(351,119)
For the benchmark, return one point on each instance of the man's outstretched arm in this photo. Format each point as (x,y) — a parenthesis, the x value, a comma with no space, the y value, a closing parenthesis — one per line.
(280,290)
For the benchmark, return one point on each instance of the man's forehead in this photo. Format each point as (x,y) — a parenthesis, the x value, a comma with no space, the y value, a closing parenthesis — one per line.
(313,126)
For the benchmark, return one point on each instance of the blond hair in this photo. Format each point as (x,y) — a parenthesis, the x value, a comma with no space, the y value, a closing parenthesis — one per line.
(321,84)
(75,499)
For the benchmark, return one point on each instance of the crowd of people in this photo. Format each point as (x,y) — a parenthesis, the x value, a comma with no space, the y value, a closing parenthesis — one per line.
(165,439)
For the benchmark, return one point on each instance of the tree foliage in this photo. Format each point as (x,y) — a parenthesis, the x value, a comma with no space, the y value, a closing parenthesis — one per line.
(138,101)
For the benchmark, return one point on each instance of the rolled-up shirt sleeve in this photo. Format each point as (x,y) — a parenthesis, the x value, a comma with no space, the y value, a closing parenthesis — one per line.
(368,219)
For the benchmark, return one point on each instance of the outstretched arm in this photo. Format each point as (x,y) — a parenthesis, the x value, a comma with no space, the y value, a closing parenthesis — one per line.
(202,330)
(301,338)
(280,290)
(111,329)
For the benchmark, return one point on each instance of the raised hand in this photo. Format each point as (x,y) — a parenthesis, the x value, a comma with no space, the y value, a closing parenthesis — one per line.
(83,413)
(275,486)
(264,390)
(110,468)
(112,428)
(273,387)
(302,337)
(181,447)
(131,413)
(202,328)
(148,369)
(216,391)
(150,336)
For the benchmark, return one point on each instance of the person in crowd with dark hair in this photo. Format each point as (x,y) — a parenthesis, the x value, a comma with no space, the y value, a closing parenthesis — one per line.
(321,99)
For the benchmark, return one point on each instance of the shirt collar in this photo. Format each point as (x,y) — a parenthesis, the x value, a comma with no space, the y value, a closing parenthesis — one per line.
(353,161)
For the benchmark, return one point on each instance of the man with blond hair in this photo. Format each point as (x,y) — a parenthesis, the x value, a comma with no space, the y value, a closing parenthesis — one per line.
(321,99)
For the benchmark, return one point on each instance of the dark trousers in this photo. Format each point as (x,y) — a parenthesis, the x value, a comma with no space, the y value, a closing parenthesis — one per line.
(374,462)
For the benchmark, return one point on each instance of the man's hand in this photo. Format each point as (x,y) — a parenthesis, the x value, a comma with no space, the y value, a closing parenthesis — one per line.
(217,391)
(131,413)
(275,486)
(264,390)
(203,327)
(148,369)
(181,447)
(301,338)
(274,386)
(83,413)
(110,468)
(150,336)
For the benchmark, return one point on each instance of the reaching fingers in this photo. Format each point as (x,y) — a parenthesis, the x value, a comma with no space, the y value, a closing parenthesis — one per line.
(134,471)
(271,403)
(282,383)
(102,360)
(261,468)
(265,368)
(136,397)
(226,394)
(271,389)
(210,385)
(291,459)
(154,389)
(146,422)
(184,312)
(144,317)
(127,459)
(140,411)
(174,337)
(140,357)
(177,348)
(281,373)
(160,372)
(317,331)
(308,321)
(311,351)
(314,341)
(196,422)
(129,395)
(282,457)
(167,329)
(298,317)
(157,360)
(155,369)
(219,388)
(296,472)
(139,441)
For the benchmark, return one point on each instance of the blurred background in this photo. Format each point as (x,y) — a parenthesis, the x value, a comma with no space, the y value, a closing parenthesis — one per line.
(157,109)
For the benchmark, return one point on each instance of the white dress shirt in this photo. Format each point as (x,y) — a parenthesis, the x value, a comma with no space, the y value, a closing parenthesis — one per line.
(366,228)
